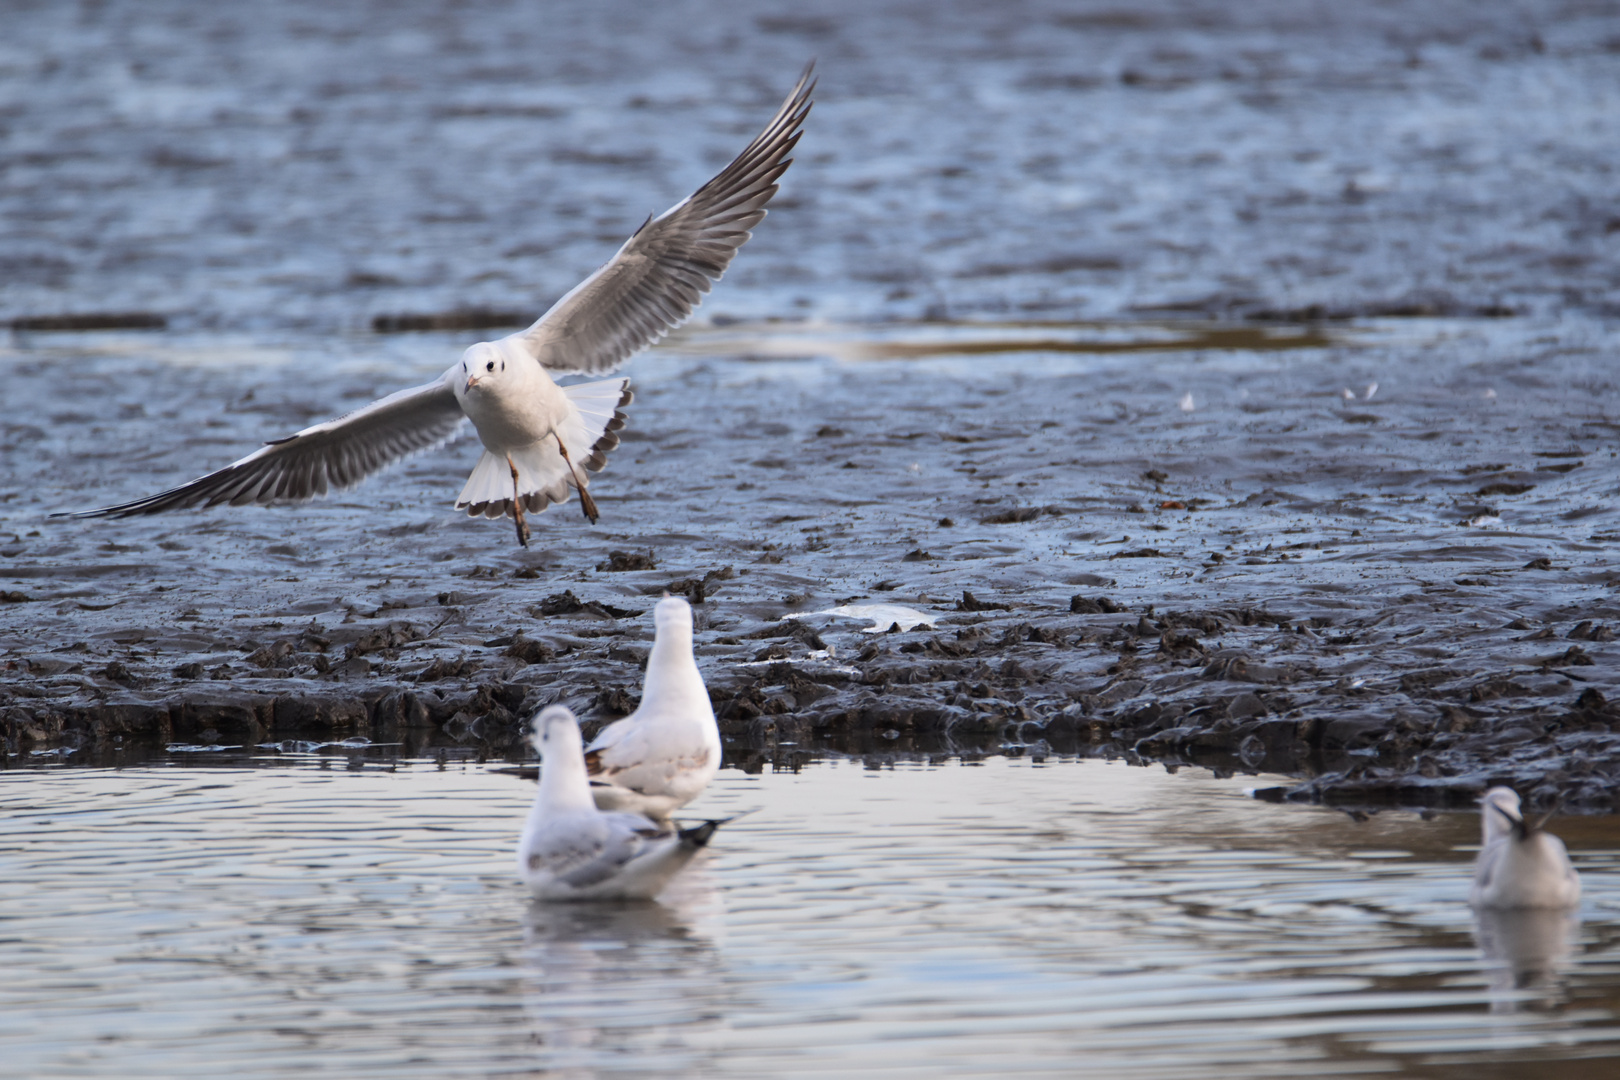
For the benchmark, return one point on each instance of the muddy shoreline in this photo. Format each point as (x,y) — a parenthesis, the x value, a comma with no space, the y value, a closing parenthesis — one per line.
(1248,694)
(1396,596)
(1258,321)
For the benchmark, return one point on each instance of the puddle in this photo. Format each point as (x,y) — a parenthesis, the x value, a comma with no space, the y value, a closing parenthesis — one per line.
(906,341)
(950,919)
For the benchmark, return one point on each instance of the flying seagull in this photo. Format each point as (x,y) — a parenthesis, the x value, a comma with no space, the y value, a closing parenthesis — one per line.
(570,850)
(662,756)
(539,439)
(1520,864)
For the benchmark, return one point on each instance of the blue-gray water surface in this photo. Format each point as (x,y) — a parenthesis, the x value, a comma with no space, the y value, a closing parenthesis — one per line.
(312,165)
(356,916)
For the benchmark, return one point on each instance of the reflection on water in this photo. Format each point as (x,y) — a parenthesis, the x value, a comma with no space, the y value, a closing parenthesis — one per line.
(1526,950)
(1006,916)
(610,981)
(913,340)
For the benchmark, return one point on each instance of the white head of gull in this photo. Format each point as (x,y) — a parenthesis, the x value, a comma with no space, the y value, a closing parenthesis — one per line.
(540,439)
(1520,864)
(662,756)
(570,850)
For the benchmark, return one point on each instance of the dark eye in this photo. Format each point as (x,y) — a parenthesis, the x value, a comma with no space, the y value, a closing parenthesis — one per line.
(490,366)
(503,365)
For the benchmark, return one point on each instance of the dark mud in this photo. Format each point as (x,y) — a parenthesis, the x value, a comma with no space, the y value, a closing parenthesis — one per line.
(1230,383)
(1245,559)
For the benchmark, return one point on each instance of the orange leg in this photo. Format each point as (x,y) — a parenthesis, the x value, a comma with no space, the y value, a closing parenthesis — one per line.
(585,500)
(517,506)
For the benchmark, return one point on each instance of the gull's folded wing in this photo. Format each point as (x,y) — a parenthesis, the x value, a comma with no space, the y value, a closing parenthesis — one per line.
(660,274)
(582,862)
(626,753)
(337,454)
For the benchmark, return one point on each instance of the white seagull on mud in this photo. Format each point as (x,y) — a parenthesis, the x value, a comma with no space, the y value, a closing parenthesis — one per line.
(1520,865)
(660,757)
(539,439)
(572,851)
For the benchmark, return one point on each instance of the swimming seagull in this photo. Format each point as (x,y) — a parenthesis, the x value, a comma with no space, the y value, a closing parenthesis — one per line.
(1520,865)
(572,851)
(539,439)
(660,757)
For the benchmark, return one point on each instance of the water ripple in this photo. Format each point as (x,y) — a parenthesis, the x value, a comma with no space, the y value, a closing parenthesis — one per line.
(998,919)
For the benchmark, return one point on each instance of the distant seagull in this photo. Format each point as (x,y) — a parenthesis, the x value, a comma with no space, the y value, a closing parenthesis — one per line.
(572,851)
(660,757)
(1520,865)
(539,439)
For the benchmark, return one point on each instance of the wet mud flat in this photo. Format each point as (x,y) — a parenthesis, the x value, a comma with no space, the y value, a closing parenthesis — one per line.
(1182,541)
(1378,558)
(322,166)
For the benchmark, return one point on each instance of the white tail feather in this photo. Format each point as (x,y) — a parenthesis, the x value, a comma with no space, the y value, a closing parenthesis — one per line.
(542,472)
(490,482)
(594,404)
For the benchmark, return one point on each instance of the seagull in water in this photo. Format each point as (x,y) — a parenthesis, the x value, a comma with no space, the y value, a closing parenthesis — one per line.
(572,851)
(1520,865)
(661,756)
(539,439)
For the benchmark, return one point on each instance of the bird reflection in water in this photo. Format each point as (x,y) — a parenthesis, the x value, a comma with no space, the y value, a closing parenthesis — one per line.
(627,980)
(1526,952)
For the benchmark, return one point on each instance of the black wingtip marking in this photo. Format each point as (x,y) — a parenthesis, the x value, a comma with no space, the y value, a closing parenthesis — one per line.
(1533,827)
(698,835)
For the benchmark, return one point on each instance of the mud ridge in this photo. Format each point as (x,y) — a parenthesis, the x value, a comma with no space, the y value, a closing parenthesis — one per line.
(1234,689)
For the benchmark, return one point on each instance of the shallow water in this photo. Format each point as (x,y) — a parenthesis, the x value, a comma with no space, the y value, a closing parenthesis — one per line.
(358,917)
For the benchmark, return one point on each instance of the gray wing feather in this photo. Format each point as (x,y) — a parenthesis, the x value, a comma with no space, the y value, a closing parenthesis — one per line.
(337,454)
(585,860)
(660,274)
(590,863)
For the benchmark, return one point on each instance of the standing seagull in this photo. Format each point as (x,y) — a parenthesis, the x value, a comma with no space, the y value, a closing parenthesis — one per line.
(1520,865)
(660,757)
(539,439)
(572,851)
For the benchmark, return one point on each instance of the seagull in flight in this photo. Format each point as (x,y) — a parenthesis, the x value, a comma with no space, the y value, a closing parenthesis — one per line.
(662,756)
(1520,864)
(540,439)
(570,850)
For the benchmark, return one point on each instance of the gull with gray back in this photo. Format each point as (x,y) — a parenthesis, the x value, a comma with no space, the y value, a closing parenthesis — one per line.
(662,756)
(570,850)
(1520,865)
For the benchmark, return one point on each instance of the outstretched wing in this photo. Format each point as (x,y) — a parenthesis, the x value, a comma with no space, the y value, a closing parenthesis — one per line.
(337,454)
(660,274)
